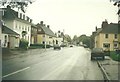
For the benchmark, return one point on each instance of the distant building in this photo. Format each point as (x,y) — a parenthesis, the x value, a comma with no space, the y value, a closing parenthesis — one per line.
(45,34)
(17,22)
(107,36)
(59,38)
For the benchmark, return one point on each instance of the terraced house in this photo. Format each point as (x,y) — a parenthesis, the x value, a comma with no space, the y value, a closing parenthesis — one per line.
(18,23)
(45,34)
(107,37)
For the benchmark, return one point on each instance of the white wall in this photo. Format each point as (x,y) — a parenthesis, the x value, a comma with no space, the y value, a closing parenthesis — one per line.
(3,40)
(21,26)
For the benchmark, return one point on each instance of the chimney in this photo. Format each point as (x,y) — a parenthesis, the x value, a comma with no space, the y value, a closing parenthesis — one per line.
(48,26)
(41,22)
(104,24)
(96,28)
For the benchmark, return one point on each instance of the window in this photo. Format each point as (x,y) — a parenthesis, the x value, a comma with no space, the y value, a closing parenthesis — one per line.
(115,45)
(43,35)
(16,25)
(25,28)
(50,37)
(115,36)
(28,28)
(21,15)
(39,30)
(5,41)
(106,36)
(106,45)
(19,27)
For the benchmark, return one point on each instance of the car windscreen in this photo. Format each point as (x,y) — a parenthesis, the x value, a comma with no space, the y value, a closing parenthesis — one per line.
(97,50)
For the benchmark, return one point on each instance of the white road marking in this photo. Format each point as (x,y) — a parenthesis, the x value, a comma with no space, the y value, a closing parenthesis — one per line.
(16,72)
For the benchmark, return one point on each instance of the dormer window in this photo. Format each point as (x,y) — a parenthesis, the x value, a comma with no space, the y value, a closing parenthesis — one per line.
(39,30)
(18,15)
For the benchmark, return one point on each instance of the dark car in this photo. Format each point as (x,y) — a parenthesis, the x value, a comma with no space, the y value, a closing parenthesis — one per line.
(57,47)
(97,53)
(71,45)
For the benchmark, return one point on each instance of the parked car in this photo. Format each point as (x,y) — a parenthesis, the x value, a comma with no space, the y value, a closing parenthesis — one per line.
(57,47)
(96,53)
(85,46)
(71,45)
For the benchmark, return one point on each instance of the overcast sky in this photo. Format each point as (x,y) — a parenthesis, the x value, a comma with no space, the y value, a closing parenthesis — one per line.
(76,17)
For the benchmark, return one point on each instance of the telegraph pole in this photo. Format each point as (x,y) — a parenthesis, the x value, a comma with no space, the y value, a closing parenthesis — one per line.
(45,42)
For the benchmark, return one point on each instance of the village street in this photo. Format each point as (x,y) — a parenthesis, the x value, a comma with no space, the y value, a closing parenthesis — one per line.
(71,63)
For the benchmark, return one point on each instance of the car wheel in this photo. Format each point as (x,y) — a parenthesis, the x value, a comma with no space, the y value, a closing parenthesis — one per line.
(103,57)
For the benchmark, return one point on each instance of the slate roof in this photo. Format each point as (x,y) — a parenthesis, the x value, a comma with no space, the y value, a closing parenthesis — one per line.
(12,14)
(47,30)
(7,30)
(98,31)
(111,28)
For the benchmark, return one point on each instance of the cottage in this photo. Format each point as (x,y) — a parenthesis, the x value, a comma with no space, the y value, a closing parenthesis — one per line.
(45,34)
(108,36)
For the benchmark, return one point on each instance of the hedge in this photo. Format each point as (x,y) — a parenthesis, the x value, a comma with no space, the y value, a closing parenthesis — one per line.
(34,46)
(115,56)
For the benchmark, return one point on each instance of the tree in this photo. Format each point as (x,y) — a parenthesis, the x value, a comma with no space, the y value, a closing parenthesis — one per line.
(20,4)
(117,3)
(85,40)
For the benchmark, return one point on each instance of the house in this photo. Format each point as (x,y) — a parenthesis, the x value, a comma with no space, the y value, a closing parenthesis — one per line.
(107,37)
(45,34)
(33,34)
(8,36)
(59,38)
(17,22)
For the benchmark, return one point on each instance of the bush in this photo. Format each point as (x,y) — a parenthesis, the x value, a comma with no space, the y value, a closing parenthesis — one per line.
(23,44)
(115,56)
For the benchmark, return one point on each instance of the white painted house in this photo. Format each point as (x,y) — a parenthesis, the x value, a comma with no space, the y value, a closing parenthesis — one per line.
(17,22)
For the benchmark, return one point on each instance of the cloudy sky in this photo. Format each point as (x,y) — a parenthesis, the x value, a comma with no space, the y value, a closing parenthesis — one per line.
(76,17)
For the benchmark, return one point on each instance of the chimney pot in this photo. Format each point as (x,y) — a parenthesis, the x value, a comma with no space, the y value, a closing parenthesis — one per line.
(48,26)
(41,22)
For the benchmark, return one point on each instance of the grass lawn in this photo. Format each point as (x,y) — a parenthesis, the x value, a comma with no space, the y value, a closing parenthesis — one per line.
(115,56)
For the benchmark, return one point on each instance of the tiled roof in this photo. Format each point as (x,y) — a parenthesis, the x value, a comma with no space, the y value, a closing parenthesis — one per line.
(7,30)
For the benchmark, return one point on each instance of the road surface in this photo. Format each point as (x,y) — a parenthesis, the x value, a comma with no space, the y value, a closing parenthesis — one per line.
(72,63)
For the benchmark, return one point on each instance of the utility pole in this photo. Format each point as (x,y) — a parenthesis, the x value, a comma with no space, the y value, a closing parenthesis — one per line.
(63,36)
(45,42)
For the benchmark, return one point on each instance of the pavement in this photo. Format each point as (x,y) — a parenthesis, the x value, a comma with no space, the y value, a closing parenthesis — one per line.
(111,67)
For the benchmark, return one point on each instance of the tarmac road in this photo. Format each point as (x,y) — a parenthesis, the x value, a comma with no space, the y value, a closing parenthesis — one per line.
(71,63)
